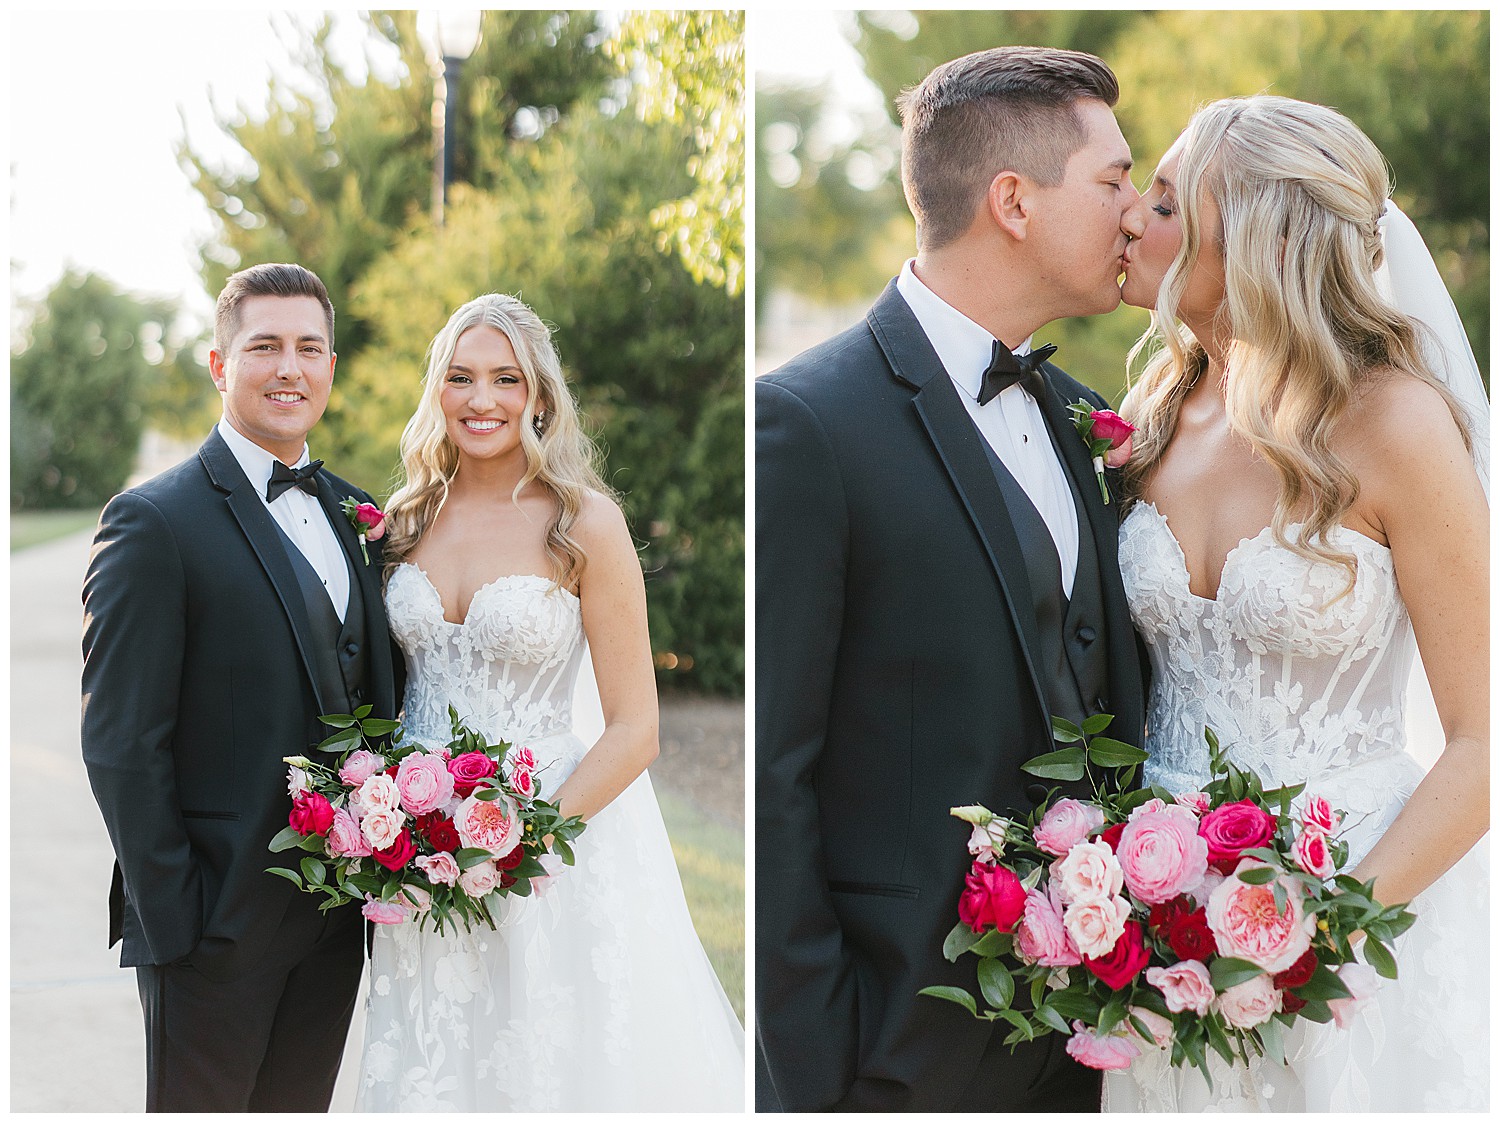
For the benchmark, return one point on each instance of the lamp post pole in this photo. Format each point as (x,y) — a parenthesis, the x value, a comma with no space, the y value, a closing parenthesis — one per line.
(452,37)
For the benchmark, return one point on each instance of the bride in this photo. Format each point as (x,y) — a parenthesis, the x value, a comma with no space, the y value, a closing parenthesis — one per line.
(504,555)
(1305,501)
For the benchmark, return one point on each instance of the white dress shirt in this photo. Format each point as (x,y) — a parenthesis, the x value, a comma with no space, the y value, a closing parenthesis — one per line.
(300,516)
(1011,421)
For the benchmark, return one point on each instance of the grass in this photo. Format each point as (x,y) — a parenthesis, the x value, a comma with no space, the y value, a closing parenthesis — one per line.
(711,860)
(33,528)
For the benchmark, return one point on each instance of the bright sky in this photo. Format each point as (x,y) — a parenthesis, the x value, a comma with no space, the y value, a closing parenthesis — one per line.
(98,101)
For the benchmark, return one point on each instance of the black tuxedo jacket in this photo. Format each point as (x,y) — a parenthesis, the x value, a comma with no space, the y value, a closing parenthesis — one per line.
(196,683)
(894,680)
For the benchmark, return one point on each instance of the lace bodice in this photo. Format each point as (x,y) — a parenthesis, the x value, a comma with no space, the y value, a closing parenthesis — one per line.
(508,668)
(1299,683)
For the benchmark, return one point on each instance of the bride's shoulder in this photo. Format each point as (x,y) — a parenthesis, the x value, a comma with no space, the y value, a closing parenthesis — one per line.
(600,521)
(1398,429)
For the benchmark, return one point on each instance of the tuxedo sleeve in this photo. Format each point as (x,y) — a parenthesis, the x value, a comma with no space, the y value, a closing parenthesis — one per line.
(134,625)
(806,999)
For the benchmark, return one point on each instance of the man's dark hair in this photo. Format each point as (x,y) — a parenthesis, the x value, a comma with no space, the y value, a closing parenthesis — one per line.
(271,279)
(1005,109)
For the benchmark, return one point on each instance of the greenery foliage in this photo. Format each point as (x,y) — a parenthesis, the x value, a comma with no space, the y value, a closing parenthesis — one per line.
(1416,81)
(607,198)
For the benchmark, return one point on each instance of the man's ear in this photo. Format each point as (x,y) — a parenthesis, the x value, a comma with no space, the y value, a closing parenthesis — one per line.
(1009,203)
(216,368)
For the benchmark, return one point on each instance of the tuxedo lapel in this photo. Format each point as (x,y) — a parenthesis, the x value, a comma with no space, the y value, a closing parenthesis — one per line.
(368,577)
(264,538)
(959,446)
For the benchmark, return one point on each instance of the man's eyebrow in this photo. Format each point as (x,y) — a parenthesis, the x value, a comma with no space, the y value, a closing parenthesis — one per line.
(313,337)
(1124,163)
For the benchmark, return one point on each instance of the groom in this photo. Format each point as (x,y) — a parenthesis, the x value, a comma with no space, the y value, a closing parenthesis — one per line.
(226,606)
(936,575)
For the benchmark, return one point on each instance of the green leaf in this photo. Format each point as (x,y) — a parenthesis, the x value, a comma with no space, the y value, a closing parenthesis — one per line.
(1075,1004)
(1097,724)
(996,984)
(1257,875)
(1113,1013)
(286,838)
(290,875)
(338,721)
(1047,1014)
(1380,958)
(471,856)
(1109,753)
(994,942)
(1324,984)
(1065,731)
(378,726)
(1227,972)
(364,711)
(1020,1021)
(314,871)
(346,737)
(1064,764)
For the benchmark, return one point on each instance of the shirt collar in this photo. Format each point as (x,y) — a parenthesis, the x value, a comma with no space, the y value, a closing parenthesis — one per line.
(962,346)
(255,461)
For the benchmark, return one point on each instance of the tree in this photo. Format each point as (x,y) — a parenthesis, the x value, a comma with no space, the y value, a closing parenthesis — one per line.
(91,359)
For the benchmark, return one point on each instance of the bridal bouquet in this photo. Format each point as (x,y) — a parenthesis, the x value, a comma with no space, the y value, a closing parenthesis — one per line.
(420,832)
(1190,921)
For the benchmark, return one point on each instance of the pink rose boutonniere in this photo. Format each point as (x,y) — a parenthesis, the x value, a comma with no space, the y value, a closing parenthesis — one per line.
(368,521)
(1108,436)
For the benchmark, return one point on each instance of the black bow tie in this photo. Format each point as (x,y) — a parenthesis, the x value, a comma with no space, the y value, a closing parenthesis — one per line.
(283,478)
(1005,370)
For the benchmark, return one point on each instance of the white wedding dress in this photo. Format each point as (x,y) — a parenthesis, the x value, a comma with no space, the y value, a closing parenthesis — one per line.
(595,995)
(1306,688)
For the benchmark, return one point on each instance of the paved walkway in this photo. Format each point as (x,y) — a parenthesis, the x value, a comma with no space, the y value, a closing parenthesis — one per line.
(76,1037)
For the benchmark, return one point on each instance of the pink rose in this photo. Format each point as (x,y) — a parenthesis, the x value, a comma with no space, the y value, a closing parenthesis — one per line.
(345,839)
(522,782)
(417,898)
(382,827)
(987,843)
(524,757)
(490,824)
(1162,855)
(1107,1052)
(1110,426)
(360,766)
(383,912)
(1160,1028)
(468,769)
(369,514)
(1150,807)
(1088,872)
(1312,854)
(441,869)
(1198,802)
(1362,982)
(1319,814)
(378,793)
(1096,926)
(311,814)
(424,782)
(1233,829)
(992,898)
(1067,823)
(552,865)
(1249,1004)
(478,880)
(1247,925)
(1041,937)
(1186,986)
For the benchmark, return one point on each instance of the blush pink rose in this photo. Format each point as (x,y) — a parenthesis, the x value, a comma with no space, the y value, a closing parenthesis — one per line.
(1096,926)
(424,782)
(360,766)
(384,912)
(1160,1028)
(1234,828)
(1362,982)
(441,869)
(1186,986)
(490,824)
(1198,802)
(345,839)
(383,827)
(992,898)
(1247,925)
(1249,1004)
(1111,1051)
(1088,872)
(523,782)
(987,843)
(311,814)
(1319,814)
(1312,853)
(1067,823)
(468,769)
(378,793)
(1162,855)
(480,879)
(524,757)
(1041,936)
(417,898)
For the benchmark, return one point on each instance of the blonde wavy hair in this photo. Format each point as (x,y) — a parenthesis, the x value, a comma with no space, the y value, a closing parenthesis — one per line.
(1300,190)
(560,457)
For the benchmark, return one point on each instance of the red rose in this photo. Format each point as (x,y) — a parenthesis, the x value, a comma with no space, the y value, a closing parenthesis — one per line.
(443,836)
(513,859)
(1185,929)
(1111,834)
(311,814)
(506,880)
(1232,829)
(1290,1003)
(1122,963)
(369,514)
(398,853)
(468,769)
(1110,426)
(1299,973)
(992,898)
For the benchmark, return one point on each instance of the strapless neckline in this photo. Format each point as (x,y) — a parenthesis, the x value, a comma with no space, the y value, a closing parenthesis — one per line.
(498,582)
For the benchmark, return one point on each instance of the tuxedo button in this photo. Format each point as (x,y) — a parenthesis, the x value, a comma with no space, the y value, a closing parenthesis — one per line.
(358,695)
(1101,706)
(1087,635)
(1036,793)
(351,648)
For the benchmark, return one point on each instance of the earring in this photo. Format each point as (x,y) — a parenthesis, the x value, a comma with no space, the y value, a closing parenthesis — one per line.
(538,423)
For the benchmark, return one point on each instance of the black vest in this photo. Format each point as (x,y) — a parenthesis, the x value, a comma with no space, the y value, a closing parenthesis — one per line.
(339,652)
(1071,664)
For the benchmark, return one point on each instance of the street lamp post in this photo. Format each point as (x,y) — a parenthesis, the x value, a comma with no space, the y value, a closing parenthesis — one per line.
(451,38)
